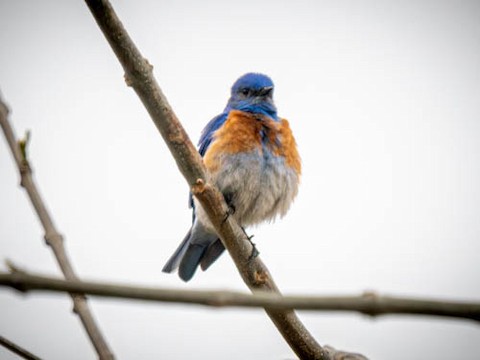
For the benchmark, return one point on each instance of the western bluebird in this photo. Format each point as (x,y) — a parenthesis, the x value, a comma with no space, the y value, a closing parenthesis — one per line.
(251,156)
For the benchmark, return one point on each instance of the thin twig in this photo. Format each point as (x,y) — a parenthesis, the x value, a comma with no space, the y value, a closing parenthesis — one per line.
(52,237)
(369,303)
(17,349)
(138,74)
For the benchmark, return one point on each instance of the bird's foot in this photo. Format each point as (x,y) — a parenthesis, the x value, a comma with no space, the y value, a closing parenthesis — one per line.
(230,211)
(255,252)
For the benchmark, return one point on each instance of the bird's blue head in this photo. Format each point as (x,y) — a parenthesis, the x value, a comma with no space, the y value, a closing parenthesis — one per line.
(253,93)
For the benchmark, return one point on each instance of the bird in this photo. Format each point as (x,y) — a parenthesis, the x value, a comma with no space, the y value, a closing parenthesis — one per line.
(251,156)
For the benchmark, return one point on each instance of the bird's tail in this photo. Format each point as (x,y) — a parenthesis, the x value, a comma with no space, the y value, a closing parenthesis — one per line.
(199,247)
(190,261)
(174,261)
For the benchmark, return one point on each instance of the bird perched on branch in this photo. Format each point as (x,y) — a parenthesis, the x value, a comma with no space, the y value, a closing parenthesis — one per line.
(251,156)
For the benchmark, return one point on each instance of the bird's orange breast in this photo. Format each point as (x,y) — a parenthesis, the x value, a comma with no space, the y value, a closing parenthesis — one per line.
(243,132)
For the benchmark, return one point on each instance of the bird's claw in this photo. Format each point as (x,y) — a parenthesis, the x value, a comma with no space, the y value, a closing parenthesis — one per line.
(230,211)
(255,252)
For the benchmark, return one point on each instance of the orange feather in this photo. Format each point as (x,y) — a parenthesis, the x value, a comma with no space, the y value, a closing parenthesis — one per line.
(242,133)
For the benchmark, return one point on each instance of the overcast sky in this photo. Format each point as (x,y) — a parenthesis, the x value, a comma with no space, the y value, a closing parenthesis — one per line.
(383,98)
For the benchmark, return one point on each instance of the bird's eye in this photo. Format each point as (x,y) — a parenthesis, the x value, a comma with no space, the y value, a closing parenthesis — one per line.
(244,91)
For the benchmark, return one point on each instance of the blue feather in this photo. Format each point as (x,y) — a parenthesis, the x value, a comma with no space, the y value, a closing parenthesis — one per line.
(207,133)
(254,102)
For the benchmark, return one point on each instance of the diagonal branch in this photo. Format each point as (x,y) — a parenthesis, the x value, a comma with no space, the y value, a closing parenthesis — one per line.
(368,303)
(17,349)
(138,74)
(52,237)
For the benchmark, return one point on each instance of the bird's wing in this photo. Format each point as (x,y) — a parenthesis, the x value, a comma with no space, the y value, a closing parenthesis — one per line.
(207,133)
(205,141)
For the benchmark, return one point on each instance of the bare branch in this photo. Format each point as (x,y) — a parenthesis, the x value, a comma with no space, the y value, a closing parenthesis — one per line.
(52,237)
(342,355)
(17,349)
(138,74)
(368,303)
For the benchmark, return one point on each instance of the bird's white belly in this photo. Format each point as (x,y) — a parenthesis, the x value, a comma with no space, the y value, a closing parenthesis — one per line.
(259,184)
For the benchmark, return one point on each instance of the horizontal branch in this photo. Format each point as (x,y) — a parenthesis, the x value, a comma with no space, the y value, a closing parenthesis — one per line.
(368,303)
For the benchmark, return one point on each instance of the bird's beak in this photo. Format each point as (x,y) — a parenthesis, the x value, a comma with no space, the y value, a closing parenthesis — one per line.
(265,91)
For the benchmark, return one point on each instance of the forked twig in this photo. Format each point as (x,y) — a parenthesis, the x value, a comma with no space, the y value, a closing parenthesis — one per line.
(52,237)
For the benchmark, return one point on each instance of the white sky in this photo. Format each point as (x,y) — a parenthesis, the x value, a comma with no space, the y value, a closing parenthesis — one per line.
(383,98)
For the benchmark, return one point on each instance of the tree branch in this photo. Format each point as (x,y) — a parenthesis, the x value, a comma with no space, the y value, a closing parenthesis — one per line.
(17,349)
(52,237)
(138,74)
(369,303)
